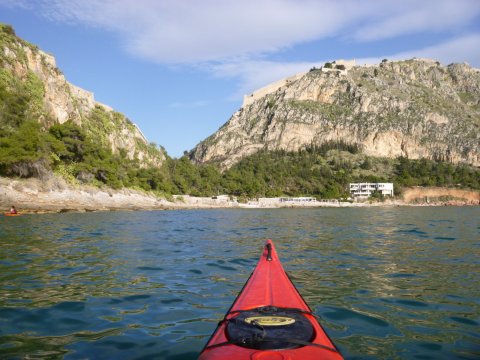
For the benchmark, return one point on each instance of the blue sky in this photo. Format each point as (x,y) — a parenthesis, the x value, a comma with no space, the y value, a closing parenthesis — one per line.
(179,69)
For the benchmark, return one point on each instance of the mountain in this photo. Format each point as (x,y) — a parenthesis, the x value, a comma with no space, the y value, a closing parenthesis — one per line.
(414,108)
(33,88)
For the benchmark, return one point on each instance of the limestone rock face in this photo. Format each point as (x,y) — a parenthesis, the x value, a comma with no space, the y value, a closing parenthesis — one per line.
(414,108)
(64,101)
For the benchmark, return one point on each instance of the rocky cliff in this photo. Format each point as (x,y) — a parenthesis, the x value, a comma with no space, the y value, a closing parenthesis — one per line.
(57,101)
(414,108)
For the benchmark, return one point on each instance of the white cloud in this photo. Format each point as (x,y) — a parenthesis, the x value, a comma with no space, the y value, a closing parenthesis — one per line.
(198,31)
(413,16)
(187,32)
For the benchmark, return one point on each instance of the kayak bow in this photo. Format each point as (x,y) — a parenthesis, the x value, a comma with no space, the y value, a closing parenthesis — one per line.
(269,320)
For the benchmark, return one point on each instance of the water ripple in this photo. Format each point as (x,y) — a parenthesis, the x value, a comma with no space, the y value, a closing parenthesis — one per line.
(389,283)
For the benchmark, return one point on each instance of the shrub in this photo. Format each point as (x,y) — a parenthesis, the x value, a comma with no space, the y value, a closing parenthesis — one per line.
(7,29)
(377,195)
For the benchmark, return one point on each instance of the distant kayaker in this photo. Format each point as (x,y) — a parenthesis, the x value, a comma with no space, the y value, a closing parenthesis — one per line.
(13,210)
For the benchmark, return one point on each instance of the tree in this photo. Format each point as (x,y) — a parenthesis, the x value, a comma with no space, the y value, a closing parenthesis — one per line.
(26,151)
(73,137)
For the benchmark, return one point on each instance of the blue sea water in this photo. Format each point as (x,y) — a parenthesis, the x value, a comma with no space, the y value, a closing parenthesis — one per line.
(387,283)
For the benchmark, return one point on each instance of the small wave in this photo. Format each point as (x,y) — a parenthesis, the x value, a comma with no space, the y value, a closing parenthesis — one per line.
(445,238)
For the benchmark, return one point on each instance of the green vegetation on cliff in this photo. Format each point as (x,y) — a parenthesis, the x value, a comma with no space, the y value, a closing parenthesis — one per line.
(20,99)
(323,172)
(326,174)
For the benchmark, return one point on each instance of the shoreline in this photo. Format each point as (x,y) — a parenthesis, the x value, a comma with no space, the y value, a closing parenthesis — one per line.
(56,196)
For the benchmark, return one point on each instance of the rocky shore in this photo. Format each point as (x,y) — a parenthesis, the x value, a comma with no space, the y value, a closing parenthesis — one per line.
(55,195)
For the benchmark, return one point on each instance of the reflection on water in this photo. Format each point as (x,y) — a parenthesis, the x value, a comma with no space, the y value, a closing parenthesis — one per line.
(396,283)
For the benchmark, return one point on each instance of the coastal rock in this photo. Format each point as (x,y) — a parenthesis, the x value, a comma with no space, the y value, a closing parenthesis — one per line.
(414,108)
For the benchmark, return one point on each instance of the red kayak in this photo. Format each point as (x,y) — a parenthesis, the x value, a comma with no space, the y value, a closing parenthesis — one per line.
(269,320)
(11,214)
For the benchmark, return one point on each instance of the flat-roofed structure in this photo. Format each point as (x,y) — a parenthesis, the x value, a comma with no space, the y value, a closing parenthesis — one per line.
(358,190)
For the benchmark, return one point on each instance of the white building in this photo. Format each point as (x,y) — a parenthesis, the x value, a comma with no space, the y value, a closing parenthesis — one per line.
(366,189)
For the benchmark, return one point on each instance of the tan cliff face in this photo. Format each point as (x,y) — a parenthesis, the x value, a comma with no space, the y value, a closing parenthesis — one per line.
(414,108)
(63,101)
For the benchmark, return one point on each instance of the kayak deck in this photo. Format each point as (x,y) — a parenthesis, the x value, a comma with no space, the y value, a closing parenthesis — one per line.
(269,320)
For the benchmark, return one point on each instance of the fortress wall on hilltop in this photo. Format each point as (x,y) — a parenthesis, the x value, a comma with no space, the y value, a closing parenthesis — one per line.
(257,94)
